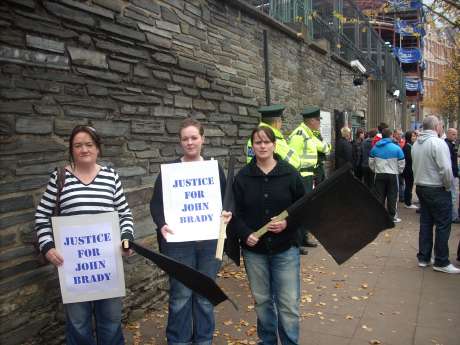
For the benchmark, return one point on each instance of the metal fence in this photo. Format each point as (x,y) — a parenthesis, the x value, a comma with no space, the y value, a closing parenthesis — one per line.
(349,33)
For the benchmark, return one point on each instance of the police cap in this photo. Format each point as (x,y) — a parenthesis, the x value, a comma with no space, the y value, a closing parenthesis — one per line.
(274,110)
(310,111)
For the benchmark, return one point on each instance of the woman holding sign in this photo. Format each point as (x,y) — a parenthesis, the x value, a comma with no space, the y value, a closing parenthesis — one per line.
(263,189)
(87,189)
(191,316)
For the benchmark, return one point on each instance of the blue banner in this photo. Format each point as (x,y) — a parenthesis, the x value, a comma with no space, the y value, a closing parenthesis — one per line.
(405,28)
(408,55)
(406,4)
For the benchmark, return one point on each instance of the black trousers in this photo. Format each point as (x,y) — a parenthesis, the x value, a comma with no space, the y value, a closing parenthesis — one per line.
(409,180)
(386,187)
(368,177)
(302,232)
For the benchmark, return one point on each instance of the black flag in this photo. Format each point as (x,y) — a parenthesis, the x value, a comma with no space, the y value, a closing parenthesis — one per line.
(342,213)
(194,280)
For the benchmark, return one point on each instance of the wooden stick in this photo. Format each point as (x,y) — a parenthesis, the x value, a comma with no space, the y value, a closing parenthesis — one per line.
(262,231)
(221,240)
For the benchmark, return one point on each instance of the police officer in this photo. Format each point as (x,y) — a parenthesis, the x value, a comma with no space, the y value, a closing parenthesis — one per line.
(271,117)
(304,142)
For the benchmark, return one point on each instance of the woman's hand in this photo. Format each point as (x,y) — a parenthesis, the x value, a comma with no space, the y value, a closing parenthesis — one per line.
(276,226)
(54,257)
(252,240)
(165,230)
(125,250)
(226,216)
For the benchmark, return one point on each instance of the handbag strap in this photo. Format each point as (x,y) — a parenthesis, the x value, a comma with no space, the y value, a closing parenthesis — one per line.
(60,185)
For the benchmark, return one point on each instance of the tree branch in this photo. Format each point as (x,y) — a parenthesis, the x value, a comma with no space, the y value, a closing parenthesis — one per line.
(454,24)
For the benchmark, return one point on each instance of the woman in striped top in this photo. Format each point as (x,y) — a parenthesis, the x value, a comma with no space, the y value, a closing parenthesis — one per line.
(88,189)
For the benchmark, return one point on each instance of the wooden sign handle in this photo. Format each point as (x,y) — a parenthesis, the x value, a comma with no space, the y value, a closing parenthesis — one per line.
(221,239)
(262,231)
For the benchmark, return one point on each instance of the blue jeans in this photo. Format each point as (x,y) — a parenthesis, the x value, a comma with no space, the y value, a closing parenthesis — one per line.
(435,209)
(79,325)
(275,286)
(191,316)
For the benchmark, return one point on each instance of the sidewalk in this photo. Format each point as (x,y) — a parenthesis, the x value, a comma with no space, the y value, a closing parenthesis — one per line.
(380,296)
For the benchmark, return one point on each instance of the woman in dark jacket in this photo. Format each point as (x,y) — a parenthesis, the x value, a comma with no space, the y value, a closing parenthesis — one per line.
(408,174)
(263,189)
(357,153)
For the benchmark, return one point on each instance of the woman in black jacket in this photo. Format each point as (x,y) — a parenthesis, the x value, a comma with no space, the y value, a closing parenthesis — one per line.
(408,174)
(263,189)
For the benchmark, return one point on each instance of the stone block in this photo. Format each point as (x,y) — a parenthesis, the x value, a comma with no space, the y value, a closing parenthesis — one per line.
(162,25)
(182,102)
(87,57)
(44,44)
(214,132)
(122,31)
(65,127)
(242,110)
(15,94)
(125,21)
(193,9)
(165,58)
(108,76)
(148,126)
(158,41)
(161,75)
(29,125)
(200,34)
(137,53)
(112,129)
(69,14)
(16,107)
(119,66)
(147,5)
(16,219)
(42,169)
(154,30)
(114,5)
(16,204)
(44,109)
(137,145)
(84,112)
(183,80)
(188,91)
(134,110)
(216,96)
(172,126)
(202,83)
(216,151)
(21,145)
(44,28)
(230,130)
(142,71)
(7,125)
(169,15)
(168,150)
(131,171)
(201,104)
(245,119)
(173,88)
(96,90)
(136,99)
(226,107)
(33,58)
(87,8)
(191,65)
(137,17)
(154,153)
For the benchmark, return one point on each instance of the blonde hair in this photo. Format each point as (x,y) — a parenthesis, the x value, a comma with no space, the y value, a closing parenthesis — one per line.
(345,132)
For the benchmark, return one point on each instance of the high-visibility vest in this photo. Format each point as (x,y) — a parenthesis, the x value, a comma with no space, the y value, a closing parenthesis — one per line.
(282,148)
(307,145)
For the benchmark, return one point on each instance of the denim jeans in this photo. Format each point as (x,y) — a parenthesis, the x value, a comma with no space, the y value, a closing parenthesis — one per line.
(79,325)
(453,190)
(275,286)
(436,209)
(191,316)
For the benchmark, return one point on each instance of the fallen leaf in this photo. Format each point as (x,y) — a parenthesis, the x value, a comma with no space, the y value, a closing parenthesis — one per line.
(375,342)
(228,322)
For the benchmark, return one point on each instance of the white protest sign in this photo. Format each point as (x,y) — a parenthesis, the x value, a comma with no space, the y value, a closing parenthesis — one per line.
(191,200)
(326,126)
(91,248)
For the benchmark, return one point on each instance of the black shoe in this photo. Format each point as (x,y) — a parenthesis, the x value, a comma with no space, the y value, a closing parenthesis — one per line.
(310,244)
(303,251)
(417,210)
(456,221)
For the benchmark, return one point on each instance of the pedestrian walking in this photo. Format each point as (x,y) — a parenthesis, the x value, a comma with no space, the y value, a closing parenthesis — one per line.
(433,180)
(408,173)
(386,160)
(263,189)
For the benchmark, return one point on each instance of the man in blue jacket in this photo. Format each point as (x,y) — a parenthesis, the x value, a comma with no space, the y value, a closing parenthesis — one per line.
(386,160)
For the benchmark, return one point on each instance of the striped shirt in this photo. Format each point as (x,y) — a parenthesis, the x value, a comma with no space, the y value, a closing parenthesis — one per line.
(103,194)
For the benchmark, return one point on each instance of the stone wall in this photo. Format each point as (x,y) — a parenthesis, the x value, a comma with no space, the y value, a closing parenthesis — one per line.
(133,69)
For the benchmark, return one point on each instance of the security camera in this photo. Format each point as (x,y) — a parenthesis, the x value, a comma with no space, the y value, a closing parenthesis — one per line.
(396,93)
(355,64)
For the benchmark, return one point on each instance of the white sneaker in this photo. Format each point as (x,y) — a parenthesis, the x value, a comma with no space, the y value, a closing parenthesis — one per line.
(396,220)
(411,206)
(447,269)
(426,264)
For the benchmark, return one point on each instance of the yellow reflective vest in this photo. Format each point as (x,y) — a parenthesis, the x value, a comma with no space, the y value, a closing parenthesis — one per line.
(282,148)
(307,145)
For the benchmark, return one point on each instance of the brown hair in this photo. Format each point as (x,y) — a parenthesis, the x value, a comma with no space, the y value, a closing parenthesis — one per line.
(268,132)
(88,130)
(191,122)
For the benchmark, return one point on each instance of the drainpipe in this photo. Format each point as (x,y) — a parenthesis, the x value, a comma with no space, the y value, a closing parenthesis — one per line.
(266,66)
